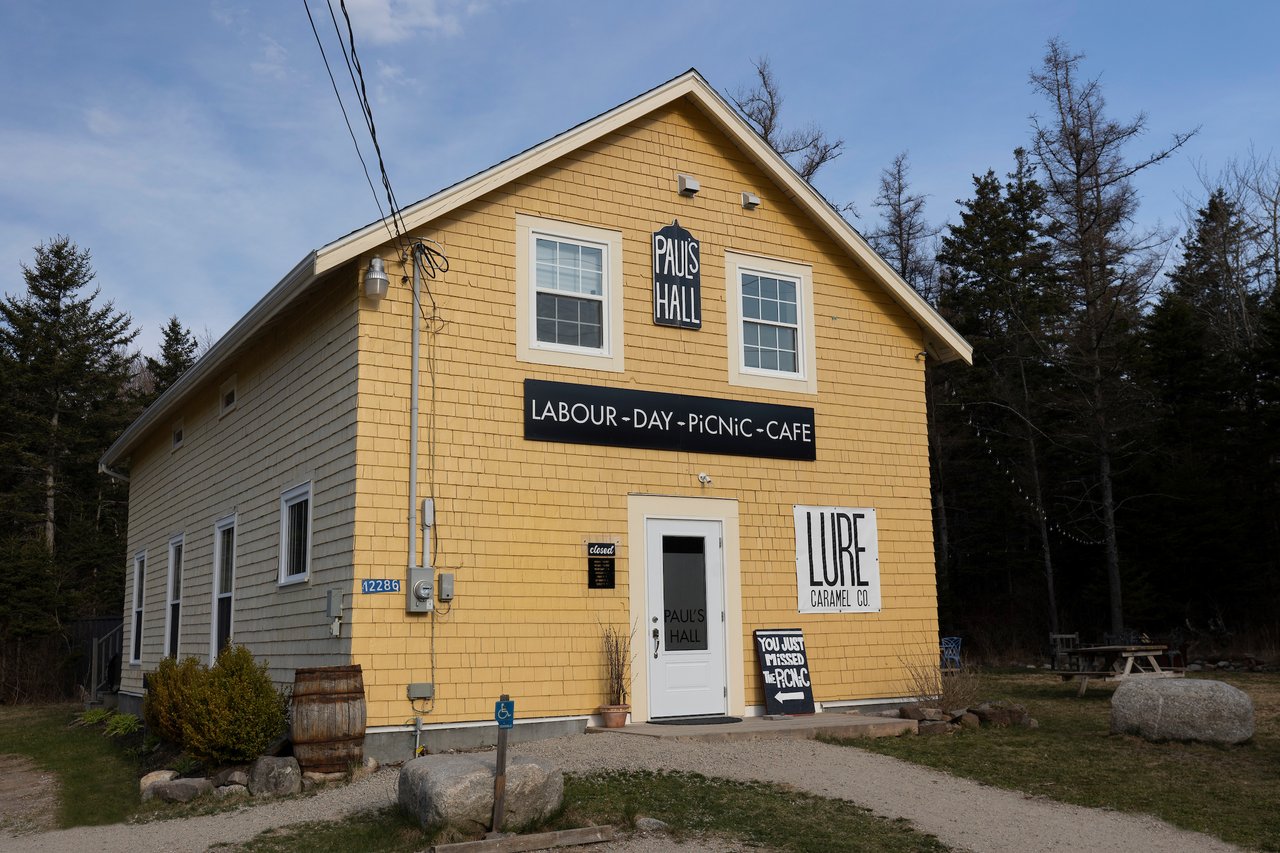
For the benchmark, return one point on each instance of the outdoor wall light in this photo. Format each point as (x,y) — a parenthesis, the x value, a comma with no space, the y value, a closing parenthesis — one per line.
(704,479)
(375,280)
(750,201)
(688,185)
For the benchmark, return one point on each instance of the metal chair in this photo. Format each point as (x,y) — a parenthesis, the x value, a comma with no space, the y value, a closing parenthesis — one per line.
(950,653)
(1060,644)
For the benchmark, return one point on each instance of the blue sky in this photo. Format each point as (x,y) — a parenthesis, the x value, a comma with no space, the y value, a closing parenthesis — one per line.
(197,150)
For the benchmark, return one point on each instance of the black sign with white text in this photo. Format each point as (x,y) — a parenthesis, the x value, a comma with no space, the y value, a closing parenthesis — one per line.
(784,668)
(677,278)
(588,414)
(600,568)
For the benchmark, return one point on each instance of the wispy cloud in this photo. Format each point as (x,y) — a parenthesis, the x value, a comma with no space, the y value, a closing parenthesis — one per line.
(391,21)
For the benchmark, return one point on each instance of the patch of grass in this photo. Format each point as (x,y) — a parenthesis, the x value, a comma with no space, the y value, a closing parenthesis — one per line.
(1230,792)
(387,830)
(756,813)
(99,783)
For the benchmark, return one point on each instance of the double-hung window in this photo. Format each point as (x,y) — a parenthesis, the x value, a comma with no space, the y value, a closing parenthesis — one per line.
(295,534)
(139,581)
(771,323)
(173,617)
(568,294)
(224,573)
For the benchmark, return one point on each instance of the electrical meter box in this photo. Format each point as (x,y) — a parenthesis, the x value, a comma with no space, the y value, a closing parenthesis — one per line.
(420,597)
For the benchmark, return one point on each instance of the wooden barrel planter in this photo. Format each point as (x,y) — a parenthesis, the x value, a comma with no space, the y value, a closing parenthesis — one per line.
(328,718)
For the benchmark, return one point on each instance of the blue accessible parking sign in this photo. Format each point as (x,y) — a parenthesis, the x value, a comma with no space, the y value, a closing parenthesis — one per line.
(505,713)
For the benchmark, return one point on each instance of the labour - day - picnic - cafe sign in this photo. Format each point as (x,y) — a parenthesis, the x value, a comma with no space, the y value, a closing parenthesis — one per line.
(784,668)
(677,278)
(837,560)
(588,414)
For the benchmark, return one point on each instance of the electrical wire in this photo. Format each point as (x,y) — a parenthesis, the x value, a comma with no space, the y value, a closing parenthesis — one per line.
(350,130)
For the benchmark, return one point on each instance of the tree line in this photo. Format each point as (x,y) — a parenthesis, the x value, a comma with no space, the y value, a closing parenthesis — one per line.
(71,382)
(1110,464)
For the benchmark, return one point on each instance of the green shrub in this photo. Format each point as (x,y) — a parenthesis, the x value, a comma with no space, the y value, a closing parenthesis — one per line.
(235,711)
(171,691)
(121,725)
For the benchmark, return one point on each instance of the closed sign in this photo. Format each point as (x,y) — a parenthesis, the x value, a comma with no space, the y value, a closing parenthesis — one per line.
(837,560)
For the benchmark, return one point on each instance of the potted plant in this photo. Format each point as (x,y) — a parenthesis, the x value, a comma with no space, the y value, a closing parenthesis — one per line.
(617,655)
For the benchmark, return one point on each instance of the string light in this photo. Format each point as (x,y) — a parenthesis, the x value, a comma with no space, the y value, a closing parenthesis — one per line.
(1006,469)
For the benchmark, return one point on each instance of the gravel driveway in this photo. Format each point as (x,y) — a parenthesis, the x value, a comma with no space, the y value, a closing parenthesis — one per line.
(965,815)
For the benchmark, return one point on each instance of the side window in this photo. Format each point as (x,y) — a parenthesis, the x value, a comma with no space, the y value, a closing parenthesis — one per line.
(224,575)
(769,304)
(139,588)
(568,294)
(295,534)
(173,617)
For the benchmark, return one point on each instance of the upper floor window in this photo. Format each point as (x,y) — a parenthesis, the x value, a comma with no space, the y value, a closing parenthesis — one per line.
(295,534)
(771,328)
(227,396)
(569,294)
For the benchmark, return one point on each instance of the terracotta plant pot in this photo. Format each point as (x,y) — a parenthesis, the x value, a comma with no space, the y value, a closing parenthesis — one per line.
(615,716)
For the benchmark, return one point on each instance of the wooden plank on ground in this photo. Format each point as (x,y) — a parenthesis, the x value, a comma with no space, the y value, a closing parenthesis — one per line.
(536,841)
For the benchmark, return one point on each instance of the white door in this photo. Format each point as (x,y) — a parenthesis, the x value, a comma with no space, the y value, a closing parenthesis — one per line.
(684,636)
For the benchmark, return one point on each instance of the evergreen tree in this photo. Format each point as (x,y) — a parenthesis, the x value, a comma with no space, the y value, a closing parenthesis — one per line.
(64,360)
(999,288)
(177,353)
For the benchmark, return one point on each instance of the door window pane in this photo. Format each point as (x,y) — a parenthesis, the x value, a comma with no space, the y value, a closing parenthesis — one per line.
(684,593)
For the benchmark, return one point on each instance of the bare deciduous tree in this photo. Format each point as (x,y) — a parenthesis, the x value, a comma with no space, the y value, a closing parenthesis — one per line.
(904,237)
(1108,265)
(807,149)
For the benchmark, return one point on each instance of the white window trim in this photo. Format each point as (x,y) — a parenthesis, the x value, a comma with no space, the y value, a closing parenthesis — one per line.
(287,499)
(178,541)
(177,435)
(806,380)
(229,385)
(139,601)
(216,592)
(528,348)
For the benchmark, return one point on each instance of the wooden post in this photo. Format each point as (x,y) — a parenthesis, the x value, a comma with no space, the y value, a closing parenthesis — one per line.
(500,778)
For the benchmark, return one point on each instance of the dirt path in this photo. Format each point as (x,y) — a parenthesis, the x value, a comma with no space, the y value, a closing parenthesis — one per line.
(965,815)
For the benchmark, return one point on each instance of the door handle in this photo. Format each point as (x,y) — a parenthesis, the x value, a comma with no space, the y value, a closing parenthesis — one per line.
(655,643)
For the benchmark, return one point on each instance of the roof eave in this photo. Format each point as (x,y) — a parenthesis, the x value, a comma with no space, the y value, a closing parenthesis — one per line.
(279,297)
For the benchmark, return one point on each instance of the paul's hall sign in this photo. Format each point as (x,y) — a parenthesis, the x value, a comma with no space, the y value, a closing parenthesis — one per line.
(588,414)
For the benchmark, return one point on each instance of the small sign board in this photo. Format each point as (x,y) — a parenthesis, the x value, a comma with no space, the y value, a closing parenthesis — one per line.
(600,564)
(784,667)
(372,585)
(837,560)
(677,278)
(504,713)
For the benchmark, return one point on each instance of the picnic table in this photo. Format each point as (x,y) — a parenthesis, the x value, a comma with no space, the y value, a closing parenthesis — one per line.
(1115,662)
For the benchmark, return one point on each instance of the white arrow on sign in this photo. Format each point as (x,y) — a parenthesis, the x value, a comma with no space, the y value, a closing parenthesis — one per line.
(787,697)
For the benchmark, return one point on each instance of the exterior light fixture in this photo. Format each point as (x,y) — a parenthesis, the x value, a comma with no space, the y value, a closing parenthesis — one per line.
(704,479)
(750,201)
(688,185)
(375,280)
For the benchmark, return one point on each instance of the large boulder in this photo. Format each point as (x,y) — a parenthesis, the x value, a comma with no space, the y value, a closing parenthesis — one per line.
(1182,709)
(275,777)
(457,790)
